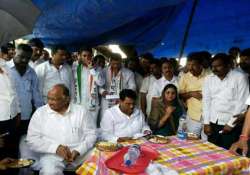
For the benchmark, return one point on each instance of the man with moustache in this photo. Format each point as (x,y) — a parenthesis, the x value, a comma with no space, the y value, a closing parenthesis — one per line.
(123,121)
(37,47)
(224,94)
(117,78)
(167,78)
(55,71)
(26,85)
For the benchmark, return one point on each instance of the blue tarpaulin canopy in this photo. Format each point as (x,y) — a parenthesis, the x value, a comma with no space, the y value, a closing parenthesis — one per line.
(92,22)
(149,25)
(217,25)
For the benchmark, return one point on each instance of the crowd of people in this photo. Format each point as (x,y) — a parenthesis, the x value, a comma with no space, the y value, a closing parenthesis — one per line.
(54,109)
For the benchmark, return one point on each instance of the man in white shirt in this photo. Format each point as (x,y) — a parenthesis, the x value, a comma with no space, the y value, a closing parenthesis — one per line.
(55,71)
(9,109)
(167,78)
(88,80)
(147,86)
(116,79)
(60,132)
(244,67)
(37,46)
(224,93)
(124,121)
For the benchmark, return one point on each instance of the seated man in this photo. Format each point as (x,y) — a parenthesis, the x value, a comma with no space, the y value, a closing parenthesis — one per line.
(123,121)
(60,132)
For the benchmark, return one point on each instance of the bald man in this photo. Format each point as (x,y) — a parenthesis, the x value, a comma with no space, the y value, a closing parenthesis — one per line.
(60,132)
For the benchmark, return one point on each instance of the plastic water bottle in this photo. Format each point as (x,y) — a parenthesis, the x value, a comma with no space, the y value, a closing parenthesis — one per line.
(181,132)
(132,155)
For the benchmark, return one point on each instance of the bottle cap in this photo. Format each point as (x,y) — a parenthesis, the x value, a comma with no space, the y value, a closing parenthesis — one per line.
(128,162)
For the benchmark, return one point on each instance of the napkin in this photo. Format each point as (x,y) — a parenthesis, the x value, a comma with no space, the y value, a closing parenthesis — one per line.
(158,169)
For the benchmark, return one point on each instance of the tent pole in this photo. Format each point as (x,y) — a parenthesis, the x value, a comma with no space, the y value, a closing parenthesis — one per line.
(185,37)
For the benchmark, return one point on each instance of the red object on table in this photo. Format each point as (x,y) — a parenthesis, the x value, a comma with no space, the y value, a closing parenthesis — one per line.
(116,162)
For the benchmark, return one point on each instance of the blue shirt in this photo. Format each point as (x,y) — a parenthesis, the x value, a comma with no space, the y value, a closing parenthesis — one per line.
(27,91)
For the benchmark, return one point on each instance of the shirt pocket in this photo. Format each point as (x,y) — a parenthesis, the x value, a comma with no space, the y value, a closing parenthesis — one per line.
(27,85)
(229,93)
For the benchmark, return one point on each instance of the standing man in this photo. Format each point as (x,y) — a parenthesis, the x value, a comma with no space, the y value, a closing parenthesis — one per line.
(167,78)
(133,65)
(190,89)
(147,87)
(11,51)
(37,47)
(26,84)
(144,61)
(60,132)
(55,71)
(245,62)
(9,110)
(224,94)
(88,80)
(4,53)
(116,79)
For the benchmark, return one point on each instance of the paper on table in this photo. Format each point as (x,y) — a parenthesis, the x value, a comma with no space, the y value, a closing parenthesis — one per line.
(158,169)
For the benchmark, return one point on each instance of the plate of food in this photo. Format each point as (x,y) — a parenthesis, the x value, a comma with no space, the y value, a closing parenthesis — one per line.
(108,146)
(192,136)
(158,139)
(21,163)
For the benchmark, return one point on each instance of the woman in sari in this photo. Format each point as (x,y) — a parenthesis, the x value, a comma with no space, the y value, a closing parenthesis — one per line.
(165,112)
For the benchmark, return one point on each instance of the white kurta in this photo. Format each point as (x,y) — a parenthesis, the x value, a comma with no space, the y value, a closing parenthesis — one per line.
(248,101)
(222,99)
(48,76)
(48,129)
(115,124)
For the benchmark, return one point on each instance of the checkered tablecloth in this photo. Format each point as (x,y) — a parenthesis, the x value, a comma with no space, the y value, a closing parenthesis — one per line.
(185,157)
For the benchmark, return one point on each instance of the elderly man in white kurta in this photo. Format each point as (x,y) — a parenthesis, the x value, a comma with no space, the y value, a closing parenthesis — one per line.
(60,132)
(124,121)
(55,71)
(88,80)
(117,78)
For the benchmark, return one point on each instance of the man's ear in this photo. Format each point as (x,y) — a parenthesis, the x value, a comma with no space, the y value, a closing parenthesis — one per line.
(67,99)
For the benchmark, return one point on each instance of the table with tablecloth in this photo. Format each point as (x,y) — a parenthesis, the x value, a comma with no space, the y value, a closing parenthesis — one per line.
(184,156)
